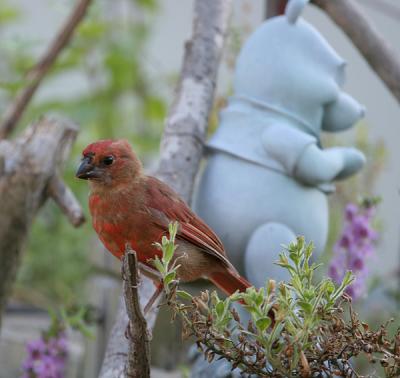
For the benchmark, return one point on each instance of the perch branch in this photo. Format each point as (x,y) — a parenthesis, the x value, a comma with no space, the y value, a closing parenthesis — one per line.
(138,360)
(182,142)
(376,50)
(65,199)
(37,73)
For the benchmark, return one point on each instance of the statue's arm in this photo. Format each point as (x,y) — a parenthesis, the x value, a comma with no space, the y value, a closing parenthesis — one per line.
(316,166)
(300,157)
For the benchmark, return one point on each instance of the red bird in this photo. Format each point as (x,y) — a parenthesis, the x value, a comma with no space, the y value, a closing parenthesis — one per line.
(128,206)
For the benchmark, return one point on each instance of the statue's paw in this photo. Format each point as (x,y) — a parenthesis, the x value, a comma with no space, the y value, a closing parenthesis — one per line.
(353,161)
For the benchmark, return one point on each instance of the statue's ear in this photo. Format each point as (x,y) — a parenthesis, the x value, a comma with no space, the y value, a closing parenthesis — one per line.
(293,9)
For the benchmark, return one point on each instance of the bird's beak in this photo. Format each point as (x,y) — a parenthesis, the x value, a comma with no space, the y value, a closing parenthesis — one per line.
(87,170)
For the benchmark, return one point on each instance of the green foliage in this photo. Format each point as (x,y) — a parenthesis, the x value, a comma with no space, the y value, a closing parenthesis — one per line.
(77,319)
(298,329)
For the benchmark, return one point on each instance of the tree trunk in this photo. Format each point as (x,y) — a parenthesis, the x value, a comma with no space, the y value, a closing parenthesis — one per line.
(28,176)
(182,142)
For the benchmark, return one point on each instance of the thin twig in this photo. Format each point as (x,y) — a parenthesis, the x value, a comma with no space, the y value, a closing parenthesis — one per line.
(372,45)
(35,75)
(138,359)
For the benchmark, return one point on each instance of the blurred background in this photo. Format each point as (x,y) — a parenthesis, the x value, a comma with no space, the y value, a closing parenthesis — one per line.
(116,79)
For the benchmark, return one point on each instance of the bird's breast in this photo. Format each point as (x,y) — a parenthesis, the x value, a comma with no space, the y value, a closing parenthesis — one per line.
(117,225)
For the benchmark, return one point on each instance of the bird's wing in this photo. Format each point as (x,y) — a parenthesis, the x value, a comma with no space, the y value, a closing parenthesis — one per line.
(167,207)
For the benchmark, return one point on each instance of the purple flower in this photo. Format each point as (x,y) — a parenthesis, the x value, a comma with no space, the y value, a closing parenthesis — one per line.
(357,264)
(350,211)
(47,368)
(36,348)
(46,356)
(354,245)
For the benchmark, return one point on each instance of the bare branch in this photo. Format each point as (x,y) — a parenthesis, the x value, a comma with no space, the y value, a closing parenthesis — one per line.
(35,76)
(183,140)
(66,200)
(138,360)
(375,49)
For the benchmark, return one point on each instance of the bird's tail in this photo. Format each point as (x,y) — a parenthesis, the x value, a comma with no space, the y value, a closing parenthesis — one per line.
(229,282)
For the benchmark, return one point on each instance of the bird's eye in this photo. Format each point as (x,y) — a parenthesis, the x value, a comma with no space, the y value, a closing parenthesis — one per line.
(108,160)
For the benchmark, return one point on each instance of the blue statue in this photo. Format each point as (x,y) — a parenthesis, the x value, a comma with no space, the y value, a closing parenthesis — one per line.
(267,176)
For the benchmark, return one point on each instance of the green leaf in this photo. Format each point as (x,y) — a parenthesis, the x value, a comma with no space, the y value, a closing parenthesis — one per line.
(173,229)
(263,323)
(329,287)
(219,308)
(159,265)
(184,295)
(307,307)
(168,252)
(169,278)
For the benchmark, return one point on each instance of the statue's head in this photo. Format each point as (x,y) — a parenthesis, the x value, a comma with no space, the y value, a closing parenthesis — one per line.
(287,66)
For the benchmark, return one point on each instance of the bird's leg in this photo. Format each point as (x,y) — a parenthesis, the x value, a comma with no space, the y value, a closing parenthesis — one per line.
(156,294)
(156,277)
(149,272)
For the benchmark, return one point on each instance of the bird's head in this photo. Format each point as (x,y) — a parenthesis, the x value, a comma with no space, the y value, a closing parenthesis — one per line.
(109,162)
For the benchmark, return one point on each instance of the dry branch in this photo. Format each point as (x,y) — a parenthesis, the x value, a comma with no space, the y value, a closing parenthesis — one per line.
(182,142)
(137,363)
(29,165)
(375,49)
(35,76)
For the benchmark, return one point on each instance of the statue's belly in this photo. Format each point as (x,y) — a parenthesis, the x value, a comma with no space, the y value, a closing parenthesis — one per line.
(235,197)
